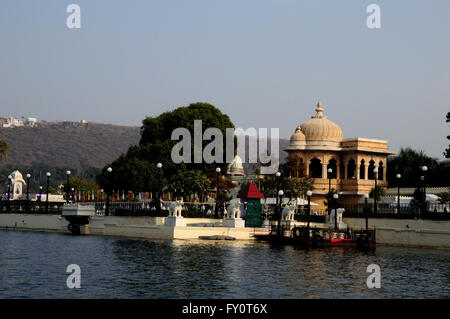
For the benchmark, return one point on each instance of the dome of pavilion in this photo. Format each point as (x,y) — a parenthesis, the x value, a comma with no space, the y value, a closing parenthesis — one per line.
(298,138)
(319,131)
(16,176)
(236,167)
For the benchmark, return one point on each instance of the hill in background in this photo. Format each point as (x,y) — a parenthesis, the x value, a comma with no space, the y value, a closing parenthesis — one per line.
(75,145)
(67,144)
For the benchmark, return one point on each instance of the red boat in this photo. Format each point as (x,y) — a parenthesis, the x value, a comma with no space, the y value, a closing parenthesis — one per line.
(320,237)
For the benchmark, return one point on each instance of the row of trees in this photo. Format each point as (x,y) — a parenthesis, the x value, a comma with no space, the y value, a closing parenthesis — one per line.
(408,163)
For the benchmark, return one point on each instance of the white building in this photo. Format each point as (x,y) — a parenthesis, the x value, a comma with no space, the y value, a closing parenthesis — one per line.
(13,122)
(31,121)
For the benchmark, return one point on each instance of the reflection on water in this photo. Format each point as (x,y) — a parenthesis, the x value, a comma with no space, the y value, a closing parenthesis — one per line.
(32,265)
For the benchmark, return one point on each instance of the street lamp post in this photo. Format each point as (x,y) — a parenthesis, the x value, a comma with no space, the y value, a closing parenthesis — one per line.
(40,198)
(424,170)
(330,170)
(28,192)
(366,209)
(279,194)
(375,176)
(9,193)
(399,176)
(335,197)
(108,189)
(159,167)
(48,185)
(277,176)
(72,191)
(67,186)
(216,212)
(308,193)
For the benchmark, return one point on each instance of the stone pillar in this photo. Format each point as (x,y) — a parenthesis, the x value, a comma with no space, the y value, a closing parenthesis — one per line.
(366,171)
(324,171)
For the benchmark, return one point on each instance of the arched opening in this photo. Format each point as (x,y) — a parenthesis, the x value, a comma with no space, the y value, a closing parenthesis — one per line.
(333,166)
(351,168)
(380,171)
(315,168)
(342,170)
(362,170)
(296,167)
(370,173)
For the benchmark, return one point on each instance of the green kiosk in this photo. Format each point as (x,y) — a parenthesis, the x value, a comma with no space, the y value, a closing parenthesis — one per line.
(252,196)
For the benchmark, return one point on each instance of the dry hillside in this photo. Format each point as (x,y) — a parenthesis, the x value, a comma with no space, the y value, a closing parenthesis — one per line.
(67,144)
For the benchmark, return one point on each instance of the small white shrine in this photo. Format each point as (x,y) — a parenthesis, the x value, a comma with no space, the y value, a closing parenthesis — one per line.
(17,184)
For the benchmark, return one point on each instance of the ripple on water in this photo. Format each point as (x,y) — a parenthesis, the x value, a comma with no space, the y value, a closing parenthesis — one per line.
(33,265)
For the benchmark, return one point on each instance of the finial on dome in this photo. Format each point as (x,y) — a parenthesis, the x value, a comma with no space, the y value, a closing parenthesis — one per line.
(319,110)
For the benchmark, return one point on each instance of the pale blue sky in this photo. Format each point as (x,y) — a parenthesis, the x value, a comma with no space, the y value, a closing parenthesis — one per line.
(263,62)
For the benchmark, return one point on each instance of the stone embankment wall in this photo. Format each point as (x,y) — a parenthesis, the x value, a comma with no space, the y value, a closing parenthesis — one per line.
(143,227)
(407,232)
(403,232)
(41,222)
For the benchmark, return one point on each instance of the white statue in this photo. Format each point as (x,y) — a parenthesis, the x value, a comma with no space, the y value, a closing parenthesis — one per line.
(233,211)
(175,208)
(330,218)
(288,212)
(233,217)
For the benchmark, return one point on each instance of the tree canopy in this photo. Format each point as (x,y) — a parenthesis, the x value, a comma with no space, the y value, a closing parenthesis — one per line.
(408,163)
(80,184)
(156,132)
(136,169)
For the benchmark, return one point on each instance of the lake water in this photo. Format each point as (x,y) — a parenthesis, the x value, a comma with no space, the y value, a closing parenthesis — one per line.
(33,265)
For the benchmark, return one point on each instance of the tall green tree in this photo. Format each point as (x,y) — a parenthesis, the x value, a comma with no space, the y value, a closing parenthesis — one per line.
(156,132)
(156,146)
(129,174)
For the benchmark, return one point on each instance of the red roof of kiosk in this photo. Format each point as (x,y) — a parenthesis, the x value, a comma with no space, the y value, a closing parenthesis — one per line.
(251,191)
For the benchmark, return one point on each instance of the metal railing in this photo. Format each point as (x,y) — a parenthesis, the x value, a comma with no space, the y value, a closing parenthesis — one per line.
(30,207)
(406,211)
(148,209)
